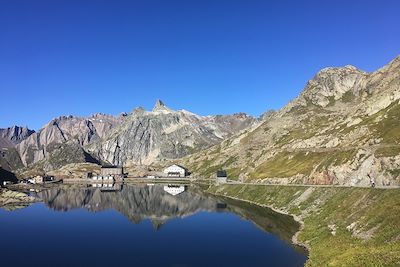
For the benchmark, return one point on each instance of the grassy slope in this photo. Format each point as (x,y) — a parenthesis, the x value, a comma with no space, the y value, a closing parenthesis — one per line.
(375,214)
(300,162)
(247,156)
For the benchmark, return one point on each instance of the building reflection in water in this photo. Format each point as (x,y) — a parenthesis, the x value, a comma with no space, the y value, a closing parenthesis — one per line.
(174,189)
(107,187)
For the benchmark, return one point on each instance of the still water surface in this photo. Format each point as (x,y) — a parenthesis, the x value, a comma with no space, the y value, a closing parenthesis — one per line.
(153,225)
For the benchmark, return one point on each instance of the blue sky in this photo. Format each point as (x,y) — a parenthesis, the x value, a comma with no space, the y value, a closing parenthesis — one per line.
(209,57)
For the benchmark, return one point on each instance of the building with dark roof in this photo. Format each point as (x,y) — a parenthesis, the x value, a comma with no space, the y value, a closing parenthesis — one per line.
(222,177)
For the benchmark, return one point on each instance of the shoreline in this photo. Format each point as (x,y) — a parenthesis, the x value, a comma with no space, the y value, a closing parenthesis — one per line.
(338,226)
(9,198)
(295,240)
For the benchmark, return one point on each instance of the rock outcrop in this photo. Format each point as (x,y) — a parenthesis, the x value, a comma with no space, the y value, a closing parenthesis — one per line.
(11,200)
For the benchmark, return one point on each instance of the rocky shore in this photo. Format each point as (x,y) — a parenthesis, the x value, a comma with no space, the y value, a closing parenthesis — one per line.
(10,198)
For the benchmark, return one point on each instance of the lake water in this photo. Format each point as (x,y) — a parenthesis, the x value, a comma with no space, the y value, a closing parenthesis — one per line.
(156,225)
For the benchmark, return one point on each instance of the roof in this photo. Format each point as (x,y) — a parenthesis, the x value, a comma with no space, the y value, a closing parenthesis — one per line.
(110,167)
(177,166)
(221,173)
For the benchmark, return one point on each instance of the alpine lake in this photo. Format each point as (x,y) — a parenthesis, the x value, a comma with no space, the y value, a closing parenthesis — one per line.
(144,225)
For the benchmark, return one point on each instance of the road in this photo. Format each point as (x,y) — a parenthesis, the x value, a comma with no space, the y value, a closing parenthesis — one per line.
(232,182)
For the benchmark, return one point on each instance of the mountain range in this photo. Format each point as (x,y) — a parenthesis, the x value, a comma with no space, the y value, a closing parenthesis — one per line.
(343,128)
(140,137)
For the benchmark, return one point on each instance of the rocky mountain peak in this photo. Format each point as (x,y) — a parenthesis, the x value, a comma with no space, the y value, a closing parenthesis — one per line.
(15,134)
(337,72)
(331,84)
(161,107)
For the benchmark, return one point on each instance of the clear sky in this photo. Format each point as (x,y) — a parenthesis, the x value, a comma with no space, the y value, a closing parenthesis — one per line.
(209,57)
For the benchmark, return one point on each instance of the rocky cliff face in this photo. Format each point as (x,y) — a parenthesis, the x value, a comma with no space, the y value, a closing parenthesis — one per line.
(344,128)
(9,138)
(10,159)
(13,135)
(140,137)
(76,130)
(145,137)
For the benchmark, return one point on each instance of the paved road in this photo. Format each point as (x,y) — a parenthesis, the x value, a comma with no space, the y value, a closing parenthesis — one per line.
(231,182)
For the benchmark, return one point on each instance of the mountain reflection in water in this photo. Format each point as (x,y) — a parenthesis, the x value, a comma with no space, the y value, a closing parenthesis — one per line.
(145,225)
(161,203)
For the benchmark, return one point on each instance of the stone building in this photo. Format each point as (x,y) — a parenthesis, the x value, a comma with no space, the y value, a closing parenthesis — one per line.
(113,171)
(175,171)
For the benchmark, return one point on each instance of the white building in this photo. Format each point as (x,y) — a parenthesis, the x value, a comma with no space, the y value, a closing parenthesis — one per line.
(174,189)
(37,180)
(222,177)
(175,171)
